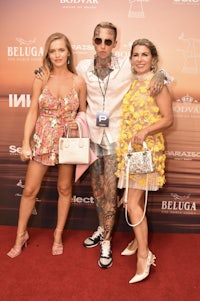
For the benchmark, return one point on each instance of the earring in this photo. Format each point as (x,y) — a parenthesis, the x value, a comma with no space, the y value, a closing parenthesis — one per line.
(68,61)
(132,69)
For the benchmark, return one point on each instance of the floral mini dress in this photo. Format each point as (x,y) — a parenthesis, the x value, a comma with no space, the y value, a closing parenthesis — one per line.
(54,113)
(140,110)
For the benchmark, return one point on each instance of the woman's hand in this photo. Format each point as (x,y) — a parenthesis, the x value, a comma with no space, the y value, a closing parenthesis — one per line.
(73,129)
(139,137)
(72,125)
(26,154)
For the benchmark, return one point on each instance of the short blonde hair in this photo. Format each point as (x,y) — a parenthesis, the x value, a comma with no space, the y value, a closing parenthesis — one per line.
(106,25)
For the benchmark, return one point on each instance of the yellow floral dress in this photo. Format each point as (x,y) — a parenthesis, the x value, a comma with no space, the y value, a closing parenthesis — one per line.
(140,110)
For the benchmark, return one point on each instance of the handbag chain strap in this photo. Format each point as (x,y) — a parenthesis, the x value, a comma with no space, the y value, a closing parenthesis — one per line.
(126,197)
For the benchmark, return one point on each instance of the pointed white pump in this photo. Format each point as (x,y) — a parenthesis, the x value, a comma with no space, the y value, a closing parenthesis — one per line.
(150,261)
(127,251)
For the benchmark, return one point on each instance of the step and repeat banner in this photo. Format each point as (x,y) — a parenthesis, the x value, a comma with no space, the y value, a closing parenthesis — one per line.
(173,26)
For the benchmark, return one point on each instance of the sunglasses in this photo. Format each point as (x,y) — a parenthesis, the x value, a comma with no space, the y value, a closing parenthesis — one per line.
(99,41)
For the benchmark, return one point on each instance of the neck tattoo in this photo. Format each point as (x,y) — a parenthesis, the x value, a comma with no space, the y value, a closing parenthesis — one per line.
(102,67)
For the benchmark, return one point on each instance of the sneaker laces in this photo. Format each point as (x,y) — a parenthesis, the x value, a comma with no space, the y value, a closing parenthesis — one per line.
(97,233)
(105,248)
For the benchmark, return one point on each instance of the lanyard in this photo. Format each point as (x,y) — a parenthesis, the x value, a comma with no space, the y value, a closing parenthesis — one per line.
(104,88)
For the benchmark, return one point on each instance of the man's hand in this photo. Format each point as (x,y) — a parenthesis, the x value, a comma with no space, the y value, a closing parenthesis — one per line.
(39,73)
(156,83)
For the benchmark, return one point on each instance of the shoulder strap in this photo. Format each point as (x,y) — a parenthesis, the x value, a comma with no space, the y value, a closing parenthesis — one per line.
(126,197)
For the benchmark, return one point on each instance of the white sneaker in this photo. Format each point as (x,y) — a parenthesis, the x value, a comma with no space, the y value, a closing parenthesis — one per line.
(105,260)
(93,240)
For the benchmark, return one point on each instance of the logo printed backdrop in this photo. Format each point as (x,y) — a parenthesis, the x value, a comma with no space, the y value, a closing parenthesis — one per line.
(173,25)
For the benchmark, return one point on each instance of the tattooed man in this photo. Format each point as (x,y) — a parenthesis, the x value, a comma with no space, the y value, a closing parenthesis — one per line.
(108,78)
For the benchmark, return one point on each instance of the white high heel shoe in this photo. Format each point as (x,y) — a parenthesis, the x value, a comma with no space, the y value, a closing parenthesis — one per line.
(127,251)
(150,261)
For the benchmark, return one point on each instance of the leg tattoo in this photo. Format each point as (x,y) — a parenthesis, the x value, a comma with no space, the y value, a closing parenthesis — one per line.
(110,190)
(104,186)
(97,182)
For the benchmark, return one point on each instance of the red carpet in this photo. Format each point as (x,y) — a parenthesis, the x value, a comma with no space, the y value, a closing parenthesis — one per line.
(75,275)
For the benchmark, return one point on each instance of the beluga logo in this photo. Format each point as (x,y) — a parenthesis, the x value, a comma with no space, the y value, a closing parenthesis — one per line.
(25,50)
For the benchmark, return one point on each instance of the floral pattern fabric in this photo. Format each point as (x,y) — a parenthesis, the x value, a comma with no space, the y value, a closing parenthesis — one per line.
(54,113)
(140,110)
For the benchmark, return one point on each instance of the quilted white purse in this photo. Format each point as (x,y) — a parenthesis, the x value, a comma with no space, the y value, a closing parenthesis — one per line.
(74,150)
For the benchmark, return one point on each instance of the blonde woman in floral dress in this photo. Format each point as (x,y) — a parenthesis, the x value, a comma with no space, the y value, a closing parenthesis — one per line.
(143,119)
(55,102)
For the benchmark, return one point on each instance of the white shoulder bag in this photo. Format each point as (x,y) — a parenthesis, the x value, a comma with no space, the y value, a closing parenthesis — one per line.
(137,163)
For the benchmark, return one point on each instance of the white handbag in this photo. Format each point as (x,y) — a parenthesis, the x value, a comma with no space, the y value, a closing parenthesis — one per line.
(74,150)
(137,163)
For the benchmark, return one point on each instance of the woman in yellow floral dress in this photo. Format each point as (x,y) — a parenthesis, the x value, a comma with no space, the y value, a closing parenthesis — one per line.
(55,102)
(143,119)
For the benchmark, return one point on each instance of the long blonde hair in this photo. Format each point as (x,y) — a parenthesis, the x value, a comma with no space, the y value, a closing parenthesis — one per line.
(47,65)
